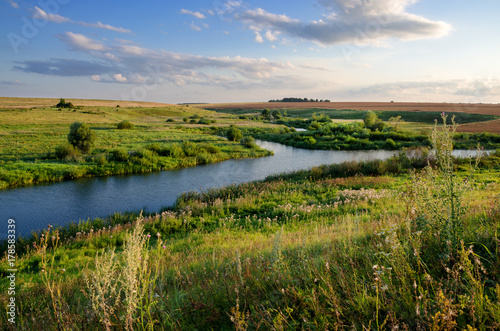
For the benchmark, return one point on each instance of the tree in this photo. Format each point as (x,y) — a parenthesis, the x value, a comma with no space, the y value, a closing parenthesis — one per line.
(276,114)
(266,113)
(81,137)
(370,118)
(63,104)
(234,134)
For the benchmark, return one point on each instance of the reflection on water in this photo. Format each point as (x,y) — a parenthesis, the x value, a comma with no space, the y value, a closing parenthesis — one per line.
(34,207)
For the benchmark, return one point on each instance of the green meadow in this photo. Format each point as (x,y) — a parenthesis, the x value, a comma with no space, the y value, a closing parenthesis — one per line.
(409,243)
(34,145)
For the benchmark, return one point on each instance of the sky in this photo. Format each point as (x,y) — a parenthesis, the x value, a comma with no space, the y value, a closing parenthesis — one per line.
(243,51)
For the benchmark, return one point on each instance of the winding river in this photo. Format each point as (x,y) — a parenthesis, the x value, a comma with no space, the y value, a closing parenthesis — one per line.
(34,207)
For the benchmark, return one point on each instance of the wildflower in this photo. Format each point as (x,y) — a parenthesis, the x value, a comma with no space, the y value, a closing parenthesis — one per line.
(63,270)
(164,246)
(149,236)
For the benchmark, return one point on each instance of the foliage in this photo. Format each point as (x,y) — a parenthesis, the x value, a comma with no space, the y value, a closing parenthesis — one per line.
(66,152)
(234,134)
(63,104)
(125,125)
(81,137)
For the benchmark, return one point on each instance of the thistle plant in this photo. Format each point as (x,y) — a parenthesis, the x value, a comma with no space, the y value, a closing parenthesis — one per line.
(439,195)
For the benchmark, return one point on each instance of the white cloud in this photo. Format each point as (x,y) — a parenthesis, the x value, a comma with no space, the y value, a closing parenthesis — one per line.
(100,25)
(196,14)
(124,63)
(80,42)
(270,36)
(258,37)
(358,22)
(195,27)
(13,4)
(119,78)
(40,14)
(480,89)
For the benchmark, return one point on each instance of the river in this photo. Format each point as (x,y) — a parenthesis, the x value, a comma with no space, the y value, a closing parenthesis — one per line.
(34,207)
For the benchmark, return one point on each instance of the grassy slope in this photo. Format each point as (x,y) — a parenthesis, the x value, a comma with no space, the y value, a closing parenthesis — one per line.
(29,136)
(302,251)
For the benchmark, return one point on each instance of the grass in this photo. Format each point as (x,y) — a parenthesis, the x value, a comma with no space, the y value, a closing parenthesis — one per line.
(335,247)
(30,138)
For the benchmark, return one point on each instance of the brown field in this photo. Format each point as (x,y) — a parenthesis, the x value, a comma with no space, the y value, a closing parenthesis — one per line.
(486,109)
(8,102)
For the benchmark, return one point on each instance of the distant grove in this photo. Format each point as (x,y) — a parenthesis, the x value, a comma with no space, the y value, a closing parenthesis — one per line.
(299,100)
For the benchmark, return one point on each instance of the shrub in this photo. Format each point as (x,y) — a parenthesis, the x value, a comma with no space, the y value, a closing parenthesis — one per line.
(119,154)
(185,119)
(66,151)
(170,120)
(314,126)
(234,134)
(248,142)
(125,125)
(189,148)
(175,151)
(81,137)
(211,149)
(205,121)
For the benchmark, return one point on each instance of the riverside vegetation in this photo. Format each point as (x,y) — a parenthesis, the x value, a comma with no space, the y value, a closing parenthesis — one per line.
(47,144)
(410,243)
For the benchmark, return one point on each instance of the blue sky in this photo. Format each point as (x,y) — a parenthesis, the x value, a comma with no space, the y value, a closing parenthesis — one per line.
(231,50)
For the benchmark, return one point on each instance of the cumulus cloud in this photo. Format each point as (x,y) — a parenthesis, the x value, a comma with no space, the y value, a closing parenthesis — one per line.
(350,21)
(196,14)
(40,14)
(125,63)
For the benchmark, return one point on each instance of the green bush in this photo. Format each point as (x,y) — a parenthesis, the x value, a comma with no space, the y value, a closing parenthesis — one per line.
(211,149)
(234,134)
(175,151)
(248,142)
(204,121)
(119,154)
(125,125)
(170,120)
(81,137)
(66,151)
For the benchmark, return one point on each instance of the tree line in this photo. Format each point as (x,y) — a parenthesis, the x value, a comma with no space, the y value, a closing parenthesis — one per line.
(299,100)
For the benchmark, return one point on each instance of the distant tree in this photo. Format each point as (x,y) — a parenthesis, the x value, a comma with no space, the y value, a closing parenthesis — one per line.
(276,114)
(370,118)
(81,137)
(266,113)
(63,104)
(234,134)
